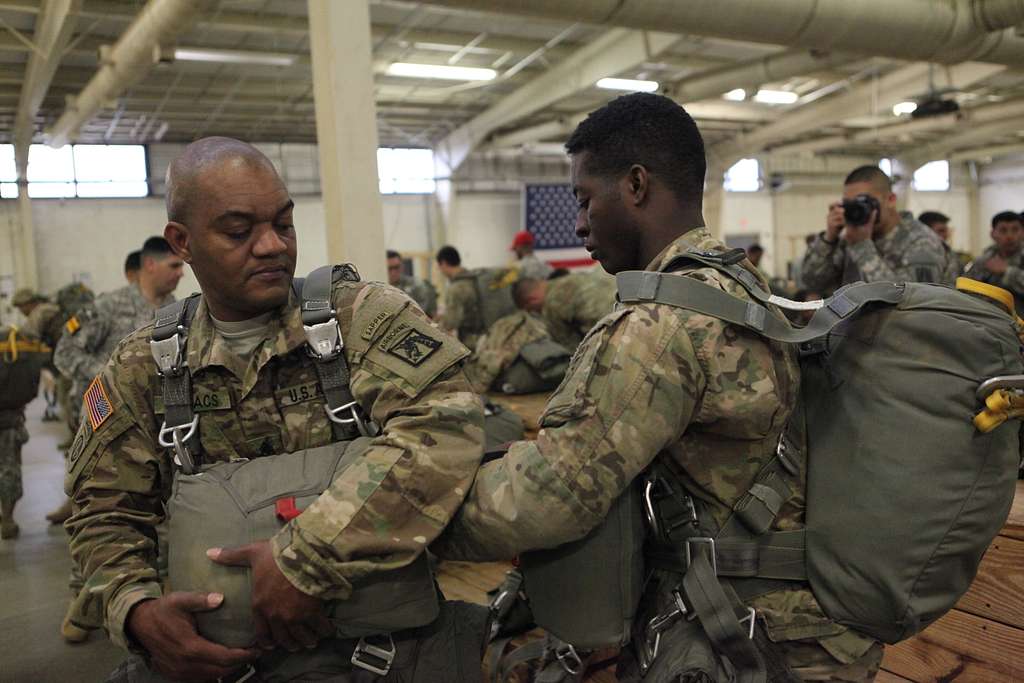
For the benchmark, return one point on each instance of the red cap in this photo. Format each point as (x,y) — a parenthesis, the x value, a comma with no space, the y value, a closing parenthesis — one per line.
(523,238)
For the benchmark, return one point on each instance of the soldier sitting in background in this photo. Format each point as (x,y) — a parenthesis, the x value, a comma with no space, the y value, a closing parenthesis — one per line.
(528,264)
(867,239)
(132,266)
(475,299)
(420,291)
(570,305)
(1002,262)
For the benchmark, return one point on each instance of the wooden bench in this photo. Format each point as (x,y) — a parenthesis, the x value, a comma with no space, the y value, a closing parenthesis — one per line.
(527,406)
(983,638)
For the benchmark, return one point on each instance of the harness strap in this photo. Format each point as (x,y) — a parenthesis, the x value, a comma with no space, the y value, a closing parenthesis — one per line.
(168,344)
(684,292)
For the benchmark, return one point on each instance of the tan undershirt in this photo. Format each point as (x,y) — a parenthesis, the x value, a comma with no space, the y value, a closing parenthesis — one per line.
(244,336)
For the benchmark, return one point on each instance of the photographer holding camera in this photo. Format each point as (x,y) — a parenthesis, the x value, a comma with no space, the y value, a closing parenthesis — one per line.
(867,239)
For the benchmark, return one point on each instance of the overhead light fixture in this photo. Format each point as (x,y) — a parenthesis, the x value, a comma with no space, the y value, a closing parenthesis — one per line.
(449,73)
(776,97)
(904,108)
(196,54)
(737,95)
(629,84)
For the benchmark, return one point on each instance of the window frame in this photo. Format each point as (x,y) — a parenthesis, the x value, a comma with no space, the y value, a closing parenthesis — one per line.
(76,182)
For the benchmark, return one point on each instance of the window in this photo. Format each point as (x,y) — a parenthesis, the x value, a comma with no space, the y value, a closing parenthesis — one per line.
(744,176)
(77,171)
(886,166)
(405,171)
(932,177)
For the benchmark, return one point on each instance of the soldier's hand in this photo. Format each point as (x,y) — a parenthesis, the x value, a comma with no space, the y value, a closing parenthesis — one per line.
(852,234)
(834,222)
(284,615)
(166,629)
(996,265)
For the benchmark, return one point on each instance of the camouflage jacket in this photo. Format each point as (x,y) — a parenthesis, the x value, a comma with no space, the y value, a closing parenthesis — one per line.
(500,346)
(420,291)
(530,266)
(91,336)
(379,515)
(574,303)
(1012,279)
(650,381)
(912,252)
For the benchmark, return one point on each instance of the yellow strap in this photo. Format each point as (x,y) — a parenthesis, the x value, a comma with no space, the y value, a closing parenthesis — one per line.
(16,345)
(1000,406)
(12,344)
(997,294)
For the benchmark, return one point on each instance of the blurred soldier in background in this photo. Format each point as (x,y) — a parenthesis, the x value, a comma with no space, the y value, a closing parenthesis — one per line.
(420,291)
(570,305)
(529,265)
(1002,262)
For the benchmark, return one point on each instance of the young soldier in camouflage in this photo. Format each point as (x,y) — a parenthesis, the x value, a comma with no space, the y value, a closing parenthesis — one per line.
(420,291)
(653,383)
(889,247)
(256,393)
(570,305)
(1002,262)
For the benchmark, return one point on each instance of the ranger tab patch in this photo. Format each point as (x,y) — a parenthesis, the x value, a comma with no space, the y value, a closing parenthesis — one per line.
(414,347)
(96,404)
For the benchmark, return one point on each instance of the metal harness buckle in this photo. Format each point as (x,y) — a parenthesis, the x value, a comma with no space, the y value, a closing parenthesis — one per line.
(365,428)
(373,658)
(659,624)
(569,659)
(167,353)
(705,540)
(171,437)
(323,340)
(752,618)
(241,678)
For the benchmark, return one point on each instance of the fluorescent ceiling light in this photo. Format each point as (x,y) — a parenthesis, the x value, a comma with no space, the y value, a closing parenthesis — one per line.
(776,97)
(904,108)
(737,95)
(451,73)
(196,54)
(627,84)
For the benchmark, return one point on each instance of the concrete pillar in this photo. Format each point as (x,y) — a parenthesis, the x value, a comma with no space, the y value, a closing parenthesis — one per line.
(346,128)
(25,234)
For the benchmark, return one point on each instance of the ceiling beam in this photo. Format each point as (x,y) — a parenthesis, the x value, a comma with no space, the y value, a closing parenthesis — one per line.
(607,55)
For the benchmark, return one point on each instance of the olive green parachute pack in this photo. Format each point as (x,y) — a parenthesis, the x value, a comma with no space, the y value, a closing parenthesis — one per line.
(518,356)
(493,288)
(21,360)
(228,504)
(904,443)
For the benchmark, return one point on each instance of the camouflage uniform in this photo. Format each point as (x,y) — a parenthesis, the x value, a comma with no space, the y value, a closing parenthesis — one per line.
(462,306)
(532,267)
(501,345)
(912,252)
(1012,279)
(82,353)
(420,291)
(655,382)
(574,303)
(380,514)
(12,437)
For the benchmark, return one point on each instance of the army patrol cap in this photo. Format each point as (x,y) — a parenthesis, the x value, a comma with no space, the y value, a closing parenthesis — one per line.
(25,295)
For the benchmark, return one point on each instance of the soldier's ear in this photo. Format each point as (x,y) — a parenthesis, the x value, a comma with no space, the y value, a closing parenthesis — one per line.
(639,183)
(177,236)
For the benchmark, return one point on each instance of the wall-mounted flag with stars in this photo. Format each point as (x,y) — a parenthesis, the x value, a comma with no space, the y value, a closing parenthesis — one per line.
(549,213)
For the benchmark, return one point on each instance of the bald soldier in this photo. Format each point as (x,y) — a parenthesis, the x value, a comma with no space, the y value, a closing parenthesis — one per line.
(886,246)
(654,384)
(230,218)
(570,305)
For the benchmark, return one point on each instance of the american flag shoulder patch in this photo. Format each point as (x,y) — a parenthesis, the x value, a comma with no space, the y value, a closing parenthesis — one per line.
(97,404)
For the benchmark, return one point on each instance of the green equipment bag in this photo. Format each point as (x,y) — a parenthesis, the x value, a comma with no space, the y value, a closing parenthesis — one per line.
(501,426)
(518,356)
(21,360)
(540,366)
(493,288)
(903,492)
(240,502)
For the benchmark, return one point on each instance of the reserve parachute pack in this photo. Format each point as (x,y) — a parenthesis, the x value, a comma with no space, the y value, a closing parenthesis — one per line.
(21,360)
(518,356)
(493,288)
(234,503)
(905,432)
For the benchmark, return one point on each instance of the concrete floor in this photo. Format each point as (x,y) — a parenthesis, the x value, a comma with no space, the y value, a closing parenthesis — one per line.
(34,574)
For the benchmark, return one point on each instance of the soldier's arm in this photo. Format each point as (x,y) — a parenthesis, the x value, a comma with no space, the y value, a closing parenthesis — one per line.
(429,299)
(822,265)
(923,261)
(632,388)
(381,513)
(115,476)
(454,309)
(77,354)
(1013,279)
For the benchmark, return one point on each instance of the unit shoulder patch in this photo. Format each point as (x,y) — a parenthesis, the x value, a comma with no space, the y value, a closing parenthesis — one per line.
(96,404)
(73,325)
(414,347)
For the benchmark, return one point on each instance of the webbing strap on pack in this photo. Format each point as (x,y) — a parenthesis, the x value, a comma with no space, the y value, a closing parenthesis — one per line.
(326,347)
(168,343)
(684,292)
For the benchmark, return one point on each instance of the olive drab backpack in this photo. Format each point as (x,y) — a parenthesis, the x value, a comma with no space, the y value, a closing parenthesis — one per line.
(21,360)
(493,287)
(518,356)
(235,503)
(906,432)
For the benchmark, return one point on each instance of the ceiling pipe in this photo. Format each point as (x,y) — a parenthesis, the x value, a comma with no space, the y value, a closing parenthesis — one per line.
(126,63)
(947,31)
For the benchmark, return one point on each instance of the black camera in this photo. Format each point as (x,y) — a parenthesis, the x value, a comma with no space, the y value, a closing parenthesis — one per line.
(857,211)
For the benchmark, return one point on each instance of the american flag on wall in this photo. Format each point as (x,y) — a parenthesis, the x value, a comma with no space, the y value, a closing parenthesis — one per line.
(549,213)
